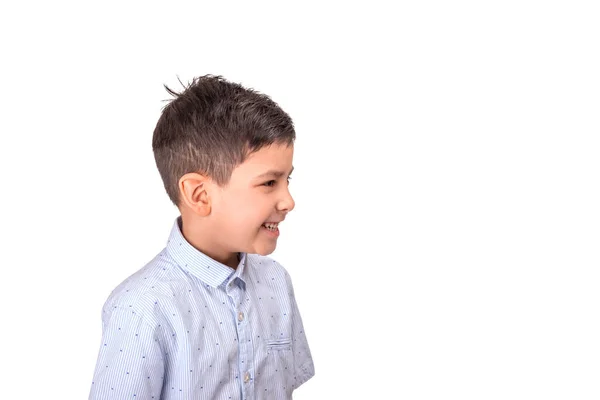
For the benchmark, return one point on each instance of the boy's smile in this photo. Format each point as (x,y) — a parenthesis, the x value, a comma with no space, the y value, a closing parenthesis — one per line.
(244,215)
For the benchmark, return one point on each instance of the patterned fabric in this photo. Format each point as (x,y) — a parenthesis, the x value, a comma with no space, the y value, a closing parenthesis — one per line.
(188,327)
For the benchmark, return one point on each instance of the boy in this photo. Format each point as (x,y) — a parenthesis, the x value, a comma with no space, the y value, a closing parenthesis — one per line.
(211,316)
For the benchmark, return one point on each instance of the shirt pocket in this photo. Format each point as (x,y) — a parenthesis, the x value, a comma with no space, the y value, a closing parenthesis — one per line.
(281,361)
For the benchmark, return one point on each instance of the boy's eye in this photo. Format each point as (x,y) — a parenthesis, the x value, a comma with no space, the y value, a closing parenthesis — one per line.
(273,182)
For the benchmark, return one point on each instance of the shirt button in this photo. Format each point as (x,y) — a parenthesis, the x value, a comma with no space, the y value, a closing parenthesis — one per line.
(247,377)
(240,316)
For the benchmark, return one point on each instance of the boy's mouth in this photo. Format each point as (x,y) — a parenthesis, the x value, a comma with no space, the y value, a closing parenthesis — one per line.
(271,226)
(271,229)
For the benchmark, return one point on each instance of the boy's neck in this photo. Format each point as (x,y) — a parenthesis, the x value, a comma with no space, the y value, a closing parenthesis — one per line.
(195,238)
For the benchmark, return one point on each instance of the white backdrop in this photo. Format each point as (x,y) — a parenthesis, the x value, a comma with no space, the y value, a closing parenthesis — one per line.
(445,239)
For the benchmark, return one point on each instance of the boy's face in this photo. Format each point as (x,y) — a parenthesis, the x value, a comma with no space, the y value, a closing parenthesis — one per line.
(257,193)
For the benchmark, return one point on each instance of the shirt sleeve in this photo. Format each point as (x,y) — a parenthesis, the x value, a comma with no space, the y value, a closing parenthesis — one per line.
(303,362)
(130,362)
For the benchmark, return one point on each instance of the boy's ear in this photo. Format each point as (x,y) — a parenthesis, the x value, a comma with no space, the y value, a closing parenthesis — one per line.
(193,188)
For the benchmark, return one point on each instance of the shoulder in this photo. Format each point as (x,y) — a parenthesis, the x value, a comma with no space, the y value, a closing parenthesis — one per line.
(143,290)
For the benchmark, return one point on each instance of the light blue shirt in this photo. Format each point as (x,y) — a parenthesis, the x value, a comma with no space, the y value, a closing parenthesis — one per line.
(188,327)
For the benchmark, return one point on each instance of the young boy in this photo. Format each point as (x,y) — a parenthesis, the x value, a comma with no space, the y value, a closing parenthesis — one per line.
(211,316)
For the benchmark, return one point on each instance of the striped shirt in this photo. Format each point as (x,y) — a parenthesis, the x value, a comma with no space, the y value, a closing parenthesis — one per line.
(186,326)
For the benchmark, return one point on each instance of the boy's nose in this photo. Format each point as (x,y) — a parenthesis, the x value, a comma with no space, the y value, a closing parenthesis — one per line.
(287,204)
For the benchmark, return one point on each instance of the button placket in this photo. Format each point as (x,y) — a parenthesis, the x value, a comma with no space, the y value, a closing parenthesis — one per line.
(245,349)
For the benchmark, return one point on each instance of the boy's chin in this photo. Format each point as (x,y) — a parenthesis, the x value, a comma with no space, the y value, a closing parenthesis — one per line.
(265,250)
(265,253)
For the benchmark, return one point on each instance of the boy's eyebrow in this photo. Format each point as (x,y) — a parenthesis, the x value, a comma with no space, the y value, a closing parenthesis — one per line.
(274,173)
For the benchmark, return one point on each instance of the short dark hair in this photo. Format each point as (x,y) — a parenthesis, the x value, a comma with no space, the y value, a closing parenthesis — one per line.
(211,127)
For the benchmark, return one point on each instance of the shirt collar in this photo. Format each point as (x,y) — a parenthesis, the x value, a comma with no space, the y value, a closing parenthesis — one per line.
(199,264)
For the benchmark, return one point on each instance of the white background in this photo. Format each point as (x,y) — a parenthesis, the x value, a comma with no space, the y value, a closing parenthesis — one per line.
(445,241)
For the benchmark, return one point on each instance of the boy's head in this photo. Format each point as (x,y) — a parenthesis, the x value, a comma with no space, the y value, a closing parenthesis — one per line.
(213,145)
